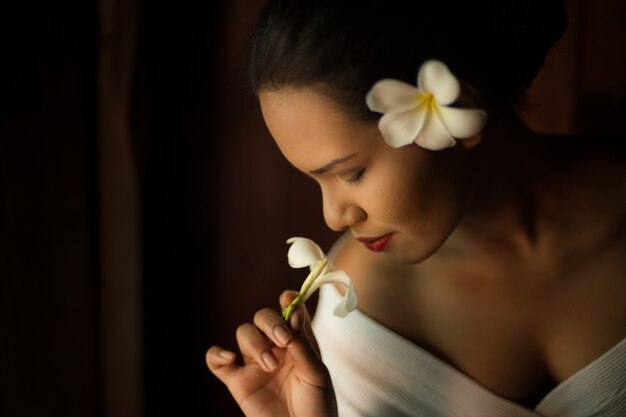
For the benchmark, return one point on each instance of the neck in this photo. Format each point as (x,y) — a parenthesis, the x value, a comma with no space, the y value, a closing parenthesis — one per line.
(503,207)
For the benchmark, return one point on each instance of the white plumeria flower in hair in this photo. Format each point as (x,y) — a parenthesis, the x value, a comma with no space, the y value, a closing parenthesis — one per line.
(304,252)
(423,115)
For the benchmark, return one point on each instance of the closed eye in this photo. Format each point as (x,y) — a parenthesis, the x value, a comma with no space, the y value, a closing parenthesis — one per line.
(358,176)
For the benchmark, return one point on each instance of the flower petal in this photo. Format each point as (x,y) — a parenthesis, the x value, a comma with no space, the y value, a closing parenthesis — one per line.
(435,136)
(462,123)
(303,252)
(435,77)
(401,128)
(349,303)
(350,299)
(391,95)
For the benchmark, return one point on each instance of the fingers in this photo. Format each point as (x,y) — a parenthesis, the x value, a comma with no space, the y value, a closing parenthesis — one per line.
(304,352)
(272,324)
(287,297)
(255,347)
(222,363)
(257,343)
(301,319)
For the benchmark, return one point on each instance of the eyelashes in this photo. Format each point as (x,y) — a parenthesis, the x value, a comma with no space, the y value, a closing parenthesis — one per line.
(357,177)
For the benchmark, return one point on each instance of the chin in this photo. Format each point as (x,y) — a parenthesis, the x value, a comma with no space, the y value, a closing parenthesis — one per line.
(411,256)
(403,258)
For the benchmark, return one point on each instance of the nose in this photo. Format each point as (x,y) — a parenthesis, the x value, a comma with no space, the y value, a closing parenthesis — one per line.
(342,214)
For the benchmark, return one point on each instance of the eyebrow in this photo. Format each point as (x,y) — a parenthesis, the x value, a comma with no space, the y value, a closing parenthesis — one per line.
(331,165)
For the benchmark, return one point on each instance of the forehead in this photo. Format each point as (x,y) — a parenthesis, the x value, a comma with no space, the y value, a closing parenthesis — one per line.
(311,130)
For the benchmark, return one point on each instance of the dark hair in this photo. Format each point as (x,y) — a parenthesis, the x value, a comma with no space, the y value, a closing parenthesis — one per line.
(342,47)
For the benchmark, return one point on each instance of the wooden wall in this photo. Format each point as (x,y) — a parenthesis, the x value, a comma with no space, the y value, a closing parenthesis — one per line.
(48,311)
(582,87)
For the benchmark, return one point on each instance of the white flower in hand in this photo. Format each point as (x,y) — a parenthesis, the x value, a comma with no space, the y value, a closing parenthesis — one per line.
(304,252)
(423,115)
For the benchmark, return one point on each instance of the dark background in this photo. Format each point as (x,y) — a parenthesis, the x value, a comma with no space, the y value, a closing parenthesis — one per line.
(144,207)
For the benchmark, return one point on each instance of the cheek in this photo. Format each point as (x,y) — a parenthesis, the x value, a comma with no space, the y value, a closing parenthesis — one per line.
(415,184)
(398,196)
(415,194)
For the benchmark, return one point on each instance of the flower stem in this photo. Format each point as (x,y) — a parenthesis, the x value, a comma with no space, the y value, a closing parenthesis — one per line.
(313,275)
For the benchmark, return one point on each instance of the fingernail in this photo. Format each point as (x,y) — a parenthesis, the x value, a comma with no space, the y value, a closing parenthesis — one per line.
(295,320)
(290,292)
(283,335)
(224,354)
(270,361)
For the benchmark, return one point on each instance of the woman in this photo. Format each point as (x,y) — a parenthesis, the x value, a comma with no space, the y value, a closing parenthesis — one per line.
(488,258)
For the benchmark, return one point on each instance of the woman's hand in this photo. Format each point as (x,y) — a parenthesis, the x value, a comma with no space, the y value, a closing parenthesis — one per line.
(282,374)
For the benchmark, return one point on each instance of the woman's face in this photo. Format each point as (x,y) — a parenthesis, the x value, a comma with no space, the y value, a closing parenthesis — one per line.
(404,202)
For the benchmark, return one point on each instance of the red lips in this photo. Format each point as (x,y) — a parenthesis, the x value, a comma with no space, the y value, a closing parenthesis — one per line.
(376,244)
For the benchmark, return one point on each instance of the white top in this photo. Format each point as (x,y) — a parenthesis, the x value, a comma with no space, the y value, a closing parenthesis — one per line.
(377,373)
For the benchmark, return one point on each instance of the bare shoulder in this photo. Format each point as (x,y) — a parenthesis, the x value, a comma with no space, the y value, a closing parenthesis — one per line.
(587,207)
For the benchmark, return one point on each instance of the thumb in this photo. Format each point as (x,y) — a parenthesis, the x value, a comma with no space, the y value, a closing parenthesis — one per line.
(304,351)
(301,323)
(300,320)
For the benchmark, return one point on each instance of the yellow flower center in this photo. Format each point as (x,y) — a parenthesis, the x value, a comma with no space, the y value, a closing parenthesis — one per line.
(426,101)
